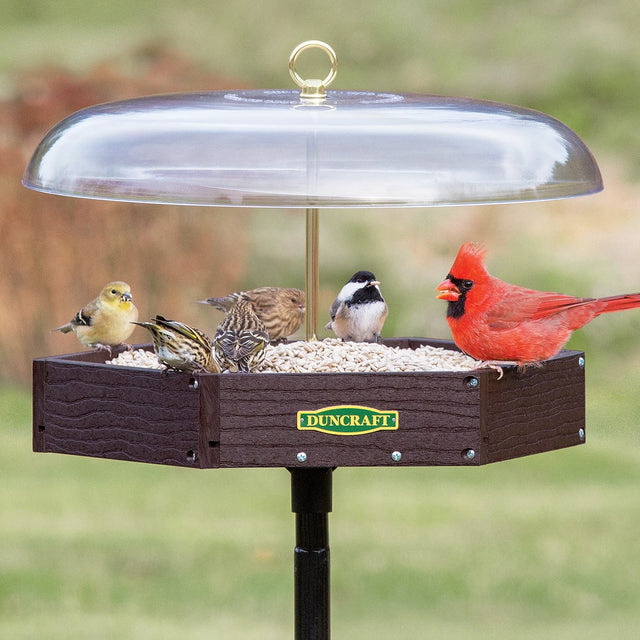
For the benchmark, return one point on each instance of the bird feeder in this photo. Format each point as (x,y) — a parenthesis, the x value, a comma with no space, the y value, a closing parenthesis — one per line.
(309,149)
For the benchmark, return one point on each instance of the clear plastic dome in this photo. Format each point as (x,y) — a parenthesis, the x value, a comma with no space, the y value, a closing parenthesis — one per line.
(269,148)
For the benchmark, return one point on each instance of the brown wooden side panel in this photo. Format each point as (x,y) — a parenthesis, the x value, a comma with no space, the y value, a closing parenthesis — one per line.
(540,410)
(119,413)
(439,418)
(39,386)
(209,443)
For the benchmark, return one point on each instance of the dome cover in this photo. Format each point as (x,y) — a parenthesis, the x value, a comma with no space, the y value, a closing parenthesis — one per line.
(270,148)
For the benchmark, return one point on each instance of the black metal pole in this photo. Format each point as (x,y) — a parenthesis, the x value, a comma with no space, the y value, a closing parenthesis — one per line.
(311,496)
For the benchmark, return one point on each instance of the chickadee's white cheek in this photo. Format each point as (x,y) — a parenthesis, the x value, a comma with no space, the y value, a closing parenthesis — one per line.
(349,289)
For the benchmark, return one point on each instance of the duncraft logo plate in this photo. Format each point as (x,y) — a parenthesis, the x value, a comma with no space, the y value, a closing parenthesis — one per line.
(347,420)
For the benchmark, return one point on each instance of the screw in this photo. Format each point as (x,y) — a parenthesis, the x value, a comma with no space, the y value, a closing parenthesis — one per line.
(581,362)
(581,434)
(396,456)
(301,457)
(191,456)
(469,454)
(471,382)
(193,384)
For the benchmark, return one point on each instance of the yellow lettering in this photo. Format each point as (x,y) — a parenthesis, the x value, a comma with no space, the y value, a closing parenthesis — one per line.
(354,422)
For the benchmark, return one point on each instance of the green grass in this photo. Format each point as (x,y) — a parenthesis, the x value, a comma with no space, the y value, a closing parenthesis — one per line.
(544,546)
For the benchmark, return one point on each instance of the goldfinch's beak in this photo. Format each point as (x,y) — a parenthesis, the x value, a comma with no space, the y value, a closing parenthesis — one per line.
(448,291)
(126,297)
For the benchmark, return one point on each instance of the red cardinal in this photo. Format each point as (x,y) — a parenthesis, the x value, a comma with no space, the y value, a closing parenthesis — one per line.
(496,321)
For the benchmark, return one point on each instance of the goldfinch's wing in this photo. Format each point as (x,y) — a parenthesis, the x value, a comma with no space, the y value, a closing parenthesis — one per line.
(85,316)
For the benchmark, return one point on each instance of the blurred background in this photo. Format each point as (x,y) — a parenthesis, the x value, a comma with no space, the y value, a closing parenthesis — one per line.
(539,547)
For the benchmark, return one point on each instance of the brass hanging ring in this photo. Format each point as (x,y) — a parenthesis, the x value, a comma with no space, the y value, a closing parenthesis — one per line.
(313,88)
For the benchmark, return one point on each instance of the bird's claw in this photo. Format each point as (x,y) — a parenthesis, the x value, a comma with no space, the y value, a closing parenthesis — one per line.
(494,365)
(102,347)
(497,365)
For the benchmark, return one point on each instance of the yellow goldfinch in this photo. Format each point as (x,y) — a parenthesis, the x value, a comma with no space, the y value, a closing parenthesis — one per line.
(180,346)
(281,309)
(106,321)
(240,339)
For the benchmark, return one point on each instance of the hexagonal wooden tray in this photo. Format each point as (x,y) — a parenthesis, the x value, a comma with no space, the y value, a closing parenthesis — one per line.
(82,406)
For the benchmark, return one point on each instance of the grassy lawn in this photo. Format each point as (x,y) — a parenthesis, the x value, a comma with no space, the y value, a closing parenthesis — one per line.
(544,546)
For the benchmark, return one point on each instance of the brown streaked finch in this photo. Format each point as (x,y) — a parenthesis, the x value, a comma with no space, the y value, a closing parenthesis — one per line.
(240,339)
(281,309)
(181,347)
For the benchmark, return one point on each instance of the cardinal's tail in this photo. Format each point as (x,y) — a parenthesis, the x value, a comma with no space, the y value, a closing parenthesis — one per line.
(619,303)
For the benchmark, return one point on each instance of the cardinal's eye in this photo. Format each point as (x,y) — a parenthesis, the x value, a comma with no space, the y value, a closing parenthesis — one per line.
(465,285)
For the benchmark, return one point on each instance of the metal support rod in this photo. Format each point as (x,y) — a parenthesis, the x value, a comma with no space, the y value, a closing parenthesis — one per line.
(312,279)
(311,496)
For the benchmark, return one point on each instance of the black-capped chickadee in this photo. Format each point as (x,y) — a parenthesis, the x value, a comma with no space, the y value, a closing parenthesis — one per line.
(359,311)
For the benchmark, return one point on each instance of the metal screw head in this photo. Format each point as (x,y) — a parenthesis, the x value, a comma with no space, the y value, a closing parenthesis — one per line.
(581,434)
(396,456)
(469,454)
(301,457)
(472,382)
(581,362)
(193,384)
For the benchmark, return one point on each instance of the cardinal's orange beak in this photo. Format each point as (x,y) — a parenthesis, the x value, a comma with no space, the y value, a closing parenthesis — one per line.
(448,291)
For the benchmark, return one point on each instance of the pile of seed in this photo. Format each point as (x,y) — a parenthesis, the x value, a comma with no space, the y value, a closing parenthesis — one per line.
(137,358)
(333,356)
